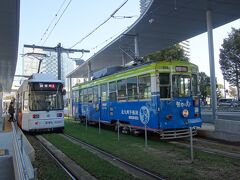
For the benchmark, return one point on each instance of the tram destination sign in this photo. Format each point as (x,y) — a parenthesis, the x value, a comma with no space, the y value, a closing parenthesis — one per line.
(43,86)
(181,69)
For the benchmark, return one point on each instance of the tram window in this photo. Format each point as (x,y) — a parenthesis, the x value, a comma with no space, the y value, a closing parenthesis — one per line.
(85,95)
(112,91)
(194,85)
(90,95)
(95,94)
(144,84)
(181,85)
(25,101)
(104,92)
(164,85)
(20,101)
(132,88)
(121,88)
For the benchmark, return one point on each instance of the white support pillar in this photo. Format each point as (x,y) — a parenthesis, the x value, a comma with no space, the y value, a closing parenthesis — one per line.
(89,71)
(123,59)
(1,100)
(70,96)
(212,64)
(136,46)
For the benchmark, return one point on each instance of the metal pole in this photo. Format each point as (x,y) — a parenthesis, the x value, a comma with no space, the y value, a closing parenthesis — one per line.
(59,51)
(100,111)
(191,143)
(145,128)
(212,64)
(99,126)
(118,129)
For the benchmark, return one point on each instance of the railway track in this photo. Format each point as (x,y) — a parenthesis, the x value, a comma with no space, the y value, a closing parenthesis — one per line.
(64,168)
(136,171)
(213,147)
(68,165)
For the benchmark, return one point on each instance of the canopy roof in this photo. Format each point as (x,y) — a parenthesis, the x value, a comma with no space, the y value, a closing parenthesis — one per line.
(9,35)
(163,24)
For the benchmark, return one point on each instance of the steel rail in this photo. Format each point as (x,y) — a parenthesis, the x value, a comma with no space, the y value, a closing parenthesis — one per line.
(94,148)
(56,159)
(210,150)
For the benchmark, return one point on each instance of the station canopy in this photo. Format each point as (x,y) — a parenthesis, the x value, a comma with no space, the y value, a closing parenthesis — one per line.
(164,23)
(9,35)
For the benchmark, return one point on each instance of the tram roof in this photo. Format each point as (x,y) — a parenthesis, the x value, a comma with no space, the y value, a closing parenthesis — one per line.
(163,24)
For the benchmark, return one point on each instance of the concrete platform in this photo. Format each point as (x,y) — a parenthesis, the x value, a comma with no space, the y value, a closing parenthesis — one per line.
(6,151)
(225,130)
(10,152)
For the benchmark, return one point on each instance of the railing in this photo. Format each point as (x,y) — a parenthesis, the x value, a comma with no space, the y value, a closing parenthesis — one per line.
(22,171)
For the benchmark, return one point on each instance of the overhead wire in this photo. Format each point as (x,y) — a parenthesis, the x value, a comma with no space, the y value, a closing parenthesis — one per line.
(95,47)
(112,15)
(57,21)
(51,22)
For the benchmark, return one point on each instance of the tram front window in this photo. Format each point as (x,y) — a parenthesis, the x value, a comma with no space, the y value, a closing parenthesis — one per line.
(181,85)
(194,85)
(46,100)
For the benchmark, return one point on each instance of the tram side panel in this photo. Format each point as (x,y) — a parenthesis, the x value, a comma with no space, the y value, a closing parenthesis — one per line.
(179,113)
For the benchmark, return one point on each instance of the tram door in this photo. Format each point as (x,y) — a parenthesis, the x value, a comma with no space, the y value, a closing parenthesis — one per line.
(95,110)
(103,105)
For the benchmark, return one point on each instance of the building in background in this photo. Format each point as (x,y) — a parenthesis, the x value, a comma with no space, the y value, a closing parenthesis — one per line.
(143,5)
(186,47)
(49,64)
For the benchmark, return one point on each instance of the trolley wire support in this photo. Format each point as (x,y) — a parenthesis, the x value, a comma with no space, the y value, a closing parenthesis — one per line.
(59,49)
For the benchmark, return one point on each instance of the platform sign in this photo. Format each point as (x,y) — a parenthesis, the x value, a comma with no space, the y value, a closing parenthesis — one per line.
(144,115)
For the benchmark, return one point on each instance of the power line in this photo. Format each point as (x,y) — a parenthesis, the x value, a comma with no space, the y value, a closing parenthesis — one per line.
(112,15)
(95,47)
(51,22)
(57,22)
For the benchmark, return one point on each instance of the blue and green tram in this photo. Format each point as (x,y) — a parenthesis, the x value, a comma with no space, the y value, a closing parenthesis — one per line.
(163,96)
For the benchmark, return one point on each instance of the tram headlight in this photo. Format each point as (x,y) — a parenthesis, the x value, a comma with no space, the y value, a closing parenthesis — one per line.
(185,113)
(59,114)
(35,116)
(169,117)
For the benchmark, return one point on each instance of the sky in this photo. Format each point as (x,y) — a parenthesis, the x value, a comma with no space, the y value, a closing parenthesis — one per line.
(199,48)
(82,17)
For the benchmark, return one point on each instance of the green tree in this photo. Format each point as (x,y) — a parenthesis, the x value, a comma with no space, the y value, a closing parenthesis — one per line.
(230,59)
(175,52)
(204,82)
(232,91)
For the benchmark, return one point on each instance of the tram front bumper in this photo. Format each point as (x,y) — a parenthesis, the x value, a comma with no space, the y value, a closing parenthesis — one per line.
(195,122)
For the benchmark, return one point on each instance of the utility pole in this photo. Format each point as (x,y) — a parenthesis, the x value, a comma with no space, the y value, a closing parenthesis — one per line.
(59,49)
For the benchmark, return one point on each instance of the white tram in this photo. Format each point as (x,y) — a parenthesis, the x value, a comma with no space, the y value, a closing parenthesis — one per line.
(40,103)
